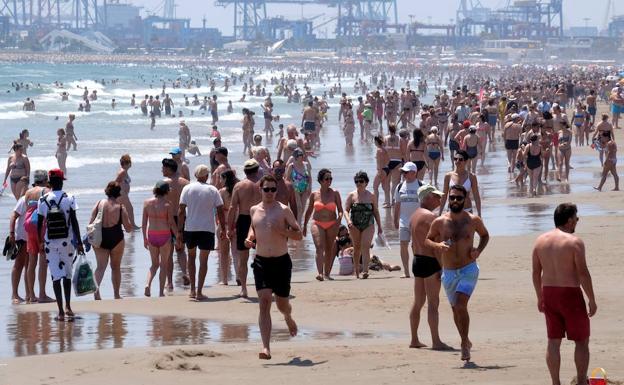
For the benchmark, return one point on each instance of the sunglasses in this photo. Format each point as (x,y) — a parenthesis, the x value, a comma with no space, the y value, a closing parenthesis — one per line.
(328,179)
(455,198)
(459,159)
(358,181)
(269,189)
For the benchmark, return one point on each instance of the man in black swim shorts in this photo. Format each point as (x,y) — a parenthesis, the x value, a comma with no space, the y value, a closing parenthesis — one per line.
(426,268)
(511,135)
(272,224)
(246,193)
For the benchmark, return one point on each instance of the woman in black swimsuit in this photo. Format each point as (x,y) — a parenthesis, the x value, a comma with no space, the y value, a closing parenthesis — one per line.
(114,215)
(362,213)
(416,148)
(533,156)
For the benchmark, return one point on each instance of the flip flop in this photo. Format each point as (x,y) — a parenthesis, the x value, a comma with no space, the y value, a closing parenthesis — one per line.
(264,356)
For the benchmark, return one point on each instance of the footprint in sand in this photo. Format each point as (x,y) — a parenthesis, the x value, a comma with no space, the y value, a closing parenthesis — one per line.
(182,359)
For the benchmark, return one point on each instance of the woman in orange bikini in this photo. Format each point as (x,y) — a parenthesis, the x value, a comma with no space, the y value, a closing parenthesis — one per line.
(327,207)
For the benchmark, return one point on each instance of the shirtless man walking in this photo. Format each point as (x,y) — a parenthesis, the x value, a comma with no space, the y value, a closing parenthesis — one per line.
(309,119)
(559,272)
(246,193)
(272,224)
(285,191)
(511,136)
(452,236)
(426,268)
(176,184)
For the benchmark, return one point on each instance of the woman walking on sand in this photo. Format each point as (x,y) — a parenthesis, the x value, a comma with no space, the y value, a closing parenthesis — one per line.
(124,181)
(114,217)
(362,213)
(325,208)
(158,225)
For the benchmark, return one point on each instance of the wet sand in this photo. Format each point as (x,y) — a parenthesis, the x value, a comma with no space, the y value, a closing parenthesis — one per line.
(507,331)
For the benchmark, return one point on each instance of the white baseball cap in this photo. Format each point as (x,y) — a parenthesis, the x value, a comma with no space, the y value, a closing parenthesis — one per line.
(409,166)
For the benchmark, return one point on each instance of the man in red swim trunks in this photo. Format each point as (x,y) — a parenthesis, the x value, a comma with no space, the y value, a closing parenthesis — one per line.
(559,273)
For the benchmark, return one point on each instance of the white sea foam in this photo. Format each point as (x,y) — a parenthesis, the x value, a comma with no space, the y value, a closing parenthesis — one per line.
(45,162)
(11,115)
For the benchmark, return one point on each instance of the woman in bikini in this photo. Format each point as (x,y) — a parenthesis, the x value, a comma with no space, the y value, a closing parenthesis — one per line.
(298,173)
(548,128)
(450,136)
(396,150)
(327,207)
(483,132)
(362,212)
(114,216)
(229,180)
(24,140)
(124,181)
(533,156)
(61,150)
(558,118)
(470,143)
(608,143)
(17,170)
(381,178)
(578,119)
(416,149)
(461,176)
(565,151)
(434,154)
(349,125)
(546,144)
(158,225)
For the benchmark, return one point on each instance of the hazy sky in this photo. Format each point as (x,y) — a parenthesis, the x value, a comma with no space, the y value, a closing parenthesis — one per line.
(574,11)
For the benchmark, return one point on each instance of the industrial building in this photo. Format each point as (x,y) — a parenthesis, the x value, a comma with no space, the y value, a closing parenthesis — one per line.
(117,25)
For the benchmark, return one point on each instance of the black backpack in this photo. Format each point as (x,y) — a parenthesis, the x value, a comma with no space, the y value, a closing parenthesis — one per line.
(58,227)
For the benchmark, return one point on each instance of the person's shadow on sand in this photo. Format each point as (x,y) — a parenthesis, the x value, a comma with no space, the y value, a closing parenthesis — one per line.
(297,361)
(475,366)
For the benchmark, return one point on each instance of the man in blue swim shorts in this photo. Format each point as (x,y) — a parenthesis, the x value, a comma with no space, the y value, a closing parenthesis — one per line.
(451,235)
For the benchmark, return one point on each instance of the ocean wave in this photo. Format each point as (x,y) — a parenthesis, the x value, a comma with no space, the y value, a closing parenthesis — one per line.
(94,191)
(46,162)
(11,115)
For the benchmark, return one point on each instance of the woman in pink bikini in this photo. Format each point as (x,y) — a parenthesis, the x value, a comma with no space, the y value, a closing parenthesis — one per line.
(158,225)
(327,207)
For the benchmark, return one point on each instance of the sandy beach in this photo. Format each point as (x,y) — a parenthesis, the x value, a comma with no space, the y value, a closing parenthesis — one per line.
(507,331)
(355,331)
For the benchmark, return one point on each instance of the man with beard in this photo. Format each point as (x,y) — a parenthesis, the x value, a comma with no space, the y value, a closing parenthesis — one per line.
(452,235)
(285,191)
(559,272)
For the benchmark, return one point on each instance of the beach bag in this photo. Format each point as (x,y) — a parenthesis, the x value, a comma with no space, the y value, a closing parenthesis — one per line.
(346,265)
(31,218)
(94,229)
(58,228)
(83,279)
